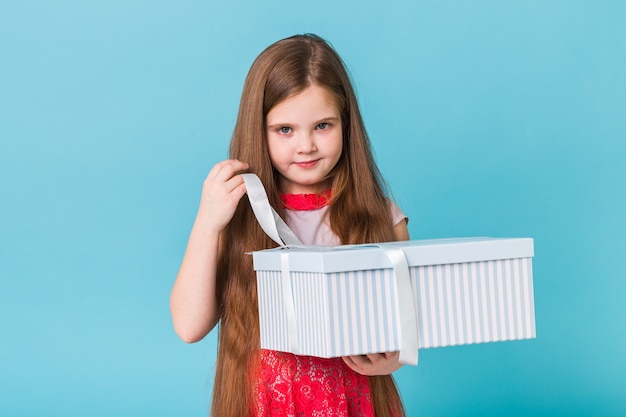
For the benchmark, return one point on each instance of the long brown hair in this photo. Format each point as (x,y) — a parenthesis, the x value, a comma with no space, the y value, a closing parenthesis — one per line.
(359,212)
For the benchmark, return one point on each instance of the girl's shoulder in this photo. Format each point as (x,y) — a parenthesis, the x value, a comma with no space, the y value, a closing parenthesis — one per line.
(397,215)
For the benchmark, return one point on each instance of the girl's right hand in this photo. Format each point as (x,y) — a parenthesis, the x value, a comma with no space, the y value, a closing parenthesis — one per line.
(221,192)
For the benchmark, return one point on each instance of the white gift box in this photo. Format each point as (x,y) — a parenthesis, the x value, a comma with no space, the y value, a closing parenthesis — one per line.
(398,296)
(332,302)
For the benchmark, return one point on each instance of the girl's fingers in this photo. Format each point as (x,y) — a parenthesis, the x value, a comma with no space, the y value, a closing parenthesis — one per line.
(239,191)
(224,170)
(357,363)
(374,364)
(234,182)
(359,360)
(235,185)
(223,179)
(378,357)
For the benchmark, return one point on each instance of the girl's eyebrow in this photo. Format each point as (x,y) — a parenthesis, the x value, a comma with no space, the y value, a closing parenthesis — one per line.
(278,125)
(322,120)
(327,119)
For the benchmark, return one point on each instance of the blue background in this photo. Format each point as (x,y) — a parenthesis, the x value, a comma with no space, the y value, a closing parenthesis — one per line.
(488,118)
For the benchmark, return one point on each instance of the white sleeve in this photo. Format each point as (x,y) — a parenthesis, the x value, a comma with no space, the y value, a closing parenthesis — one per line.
(396,214)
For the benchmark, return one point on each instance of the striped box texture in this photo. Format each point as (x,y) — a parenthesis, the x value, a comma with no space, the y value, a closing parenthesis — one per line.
(465,291)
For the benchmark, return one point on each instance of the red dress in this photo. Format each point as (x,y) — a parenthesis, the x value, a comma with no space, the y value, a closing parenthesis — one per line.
(299,386)
(289,385)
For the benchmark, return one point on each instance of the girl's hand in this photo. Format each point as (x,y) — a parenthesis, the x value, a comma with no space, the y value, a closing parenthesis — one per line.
(221,193)
(374,363)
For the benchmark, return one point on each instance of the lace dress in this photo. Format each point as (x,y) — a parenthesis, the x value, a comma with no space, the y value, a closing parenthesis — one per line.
(289,385)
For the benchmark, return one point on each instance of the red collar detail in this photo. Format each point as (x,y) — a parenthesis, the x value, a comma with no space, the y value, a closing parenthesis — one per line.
(302,202)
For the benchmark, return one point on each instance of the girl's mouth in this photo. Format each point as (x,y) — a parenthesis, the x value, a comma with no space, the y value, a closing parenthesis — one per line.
(307,164)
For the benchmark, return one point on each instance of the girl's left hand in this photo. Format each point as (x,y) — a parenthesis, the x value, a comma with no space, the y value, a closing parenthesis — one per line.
(374,363)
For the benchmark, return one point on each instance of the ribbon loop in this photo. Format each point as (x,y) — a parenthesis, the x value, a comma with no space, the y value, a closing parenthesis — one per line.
(268,219)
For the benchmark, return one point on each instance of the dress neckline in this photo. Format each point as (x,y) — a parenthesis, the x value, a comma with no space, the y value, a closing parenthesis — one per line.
(301,202)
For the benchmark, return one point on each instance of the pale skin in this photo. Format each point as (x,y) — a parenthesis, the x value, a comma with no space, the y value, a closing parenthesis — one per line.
(192,302)
(310,134)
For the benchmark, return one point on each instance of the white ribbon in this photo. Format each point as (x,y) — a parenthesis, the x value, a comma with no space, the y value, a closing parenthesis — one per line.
(270,221)
(275,227)
(290,308)
(406,313)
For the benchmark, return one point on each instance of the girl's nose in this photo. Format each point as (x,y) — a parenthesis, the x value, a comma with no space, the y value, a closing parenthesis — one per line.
(306,143)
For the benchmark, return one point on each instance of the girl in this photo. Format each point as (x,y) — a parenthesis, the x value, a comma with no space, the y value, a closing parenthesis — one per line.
(299,129)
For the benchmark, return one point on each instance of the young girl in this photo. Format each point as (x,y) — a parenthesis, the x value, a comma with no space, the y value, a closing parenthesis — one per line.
(299,129)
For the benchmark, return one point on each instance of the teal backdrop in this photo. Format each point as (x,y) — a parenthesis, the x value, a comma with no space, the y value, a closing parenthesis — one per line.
(488,118)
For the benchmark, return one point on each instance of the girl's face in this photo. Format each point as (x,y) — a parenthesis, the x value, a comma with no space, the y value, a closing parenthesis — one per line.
(304,138)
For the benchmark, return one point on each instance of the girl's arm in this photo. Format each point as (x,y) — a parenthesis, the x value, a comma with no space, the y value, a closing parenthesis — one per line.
(193,302)
(379,363)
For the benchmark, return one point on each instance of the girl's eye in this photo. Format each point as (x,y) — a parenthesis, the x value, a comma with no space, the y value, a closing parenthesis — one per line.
(322,126)
(284,130)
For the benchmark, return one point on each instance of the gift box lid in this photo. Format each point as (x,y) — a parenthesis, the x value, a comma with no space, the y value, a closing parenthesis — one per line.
(324,259)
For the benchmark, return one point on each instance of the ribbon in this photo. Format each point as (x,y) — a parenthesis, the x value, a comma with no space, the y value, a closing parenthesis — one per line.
(270,221)
(290,308)
(406,313)
(276,228)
